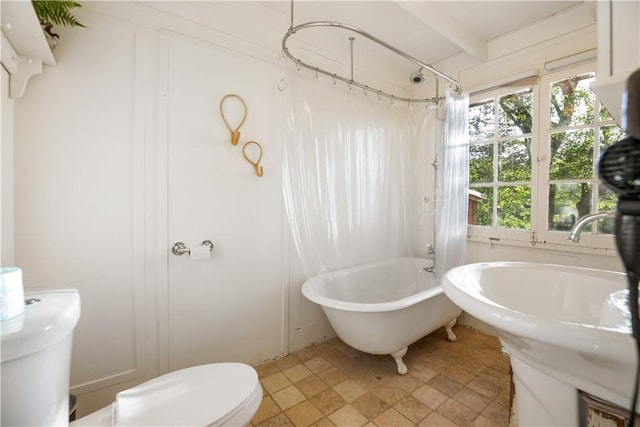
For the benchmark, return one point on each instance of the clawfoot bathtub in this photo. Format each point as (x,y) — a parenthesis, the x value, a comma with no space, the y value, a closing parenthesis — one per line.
(382,308)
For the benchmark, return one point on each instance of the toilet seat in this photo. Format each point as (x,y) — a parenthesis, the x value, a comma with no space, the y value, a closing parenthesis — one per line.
(214,394)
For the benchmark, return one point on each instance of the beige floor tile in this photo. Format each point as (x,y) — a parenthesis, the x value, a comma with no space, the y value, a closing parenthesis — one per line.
(458,374)
(472,399)
(277,421)
(304,414)
(435,364)
(348,416)
(318,364)
(412,408)
(470,364)
(297,373)
(286,362)
(406,383)
(288,397)
(485,387)
(312,386)
(370,381)
(267,370)
(370,405)
(501,364)
(275,382)
(267,409)
(497,413)
(305,354)
(327,401)
(444,385)
(392,418)
(429,396)
(332,376)
(482,421)
(498,378)
(349,390)
(325,422)
(333,355)
(435,419)
(389,393)
(466,382)
(460,414)
(422,372)
(486,355)
(354,368)
(504,397)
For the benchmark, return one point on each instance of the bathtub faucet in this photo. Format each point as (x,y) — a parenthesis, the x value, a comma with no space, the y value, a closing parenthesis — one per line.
(582,222)
(431,250)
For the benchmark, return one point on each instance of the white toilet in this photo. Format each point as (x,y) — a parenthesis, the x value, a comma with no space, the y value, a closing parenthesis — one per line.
(36,358)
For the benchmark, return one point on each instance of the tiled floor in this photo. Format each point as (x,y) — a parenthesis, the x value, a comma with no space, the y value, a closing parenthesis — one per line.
(461,383)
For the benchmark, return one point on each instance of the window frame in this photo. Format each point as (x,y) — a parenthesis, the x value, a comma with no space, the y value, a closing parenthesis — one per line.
(501,233)
(540,234)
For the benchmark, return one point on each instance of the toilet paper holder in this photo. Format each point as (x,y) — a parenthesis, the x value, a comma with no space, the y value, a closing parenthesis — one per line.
(179,248)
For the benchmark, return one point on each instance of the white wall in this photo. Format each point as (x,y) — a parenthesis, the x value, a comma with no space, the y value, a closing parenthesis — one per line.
(97,141)
(80,197)
(6,175)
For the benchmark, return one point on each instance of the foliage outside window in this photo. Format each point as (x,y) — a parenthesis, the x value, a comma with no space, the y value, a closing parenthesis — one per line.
(533,155)
(500,159)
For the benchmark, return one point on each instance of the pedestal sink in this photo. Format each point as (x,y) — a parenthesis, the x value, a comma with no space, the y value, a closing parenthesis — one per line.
(566,329)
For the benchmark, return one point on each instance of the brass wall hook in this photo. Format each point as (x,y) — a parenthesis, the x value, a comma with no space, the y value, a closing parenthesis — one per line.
(235,133)
(256,165)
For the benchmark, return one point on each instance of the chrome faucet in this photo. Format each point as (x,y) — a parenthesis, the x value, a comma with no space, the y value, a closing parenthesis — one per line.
(582,222)
(431,250)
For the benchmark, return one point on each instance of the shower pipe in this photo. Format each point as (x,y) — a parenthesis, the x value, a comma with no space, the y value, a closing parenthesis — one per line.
(292,30)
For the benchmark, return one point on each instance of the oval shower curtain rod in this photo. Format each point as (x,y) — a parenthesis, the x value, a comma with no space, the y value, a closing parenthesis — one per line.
(437,74)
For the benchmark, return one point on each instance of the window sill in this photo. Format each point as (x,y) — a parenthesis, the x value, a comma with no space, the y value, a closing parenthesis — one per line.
(577,248)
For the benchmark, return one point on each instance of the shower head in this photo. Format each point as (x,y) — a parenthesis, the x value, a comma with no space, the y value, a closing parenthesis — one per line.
(417,78)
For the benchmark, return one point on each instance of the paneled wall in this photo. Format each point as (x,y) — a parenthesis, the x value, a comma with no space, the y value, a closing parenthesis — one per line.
(120,151)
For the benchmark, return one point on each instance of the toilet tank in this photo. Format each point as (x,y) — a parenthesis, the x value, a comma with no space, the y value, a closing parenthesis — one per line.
(36,359)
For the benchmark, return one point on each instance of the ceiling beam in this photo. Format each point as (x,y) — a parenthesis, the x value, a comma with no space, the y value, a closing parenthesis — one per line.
(439,20)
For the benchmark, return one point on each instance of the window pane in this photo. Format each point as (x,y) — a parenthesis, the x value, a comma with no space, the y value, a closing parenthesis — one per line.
(607,202)
(514,207)
(515,113)
(567,202)
(481,120)
(571,154)
(572,102)
(484,208)
(610,134)
(481,163)
(514,160)
(604,114)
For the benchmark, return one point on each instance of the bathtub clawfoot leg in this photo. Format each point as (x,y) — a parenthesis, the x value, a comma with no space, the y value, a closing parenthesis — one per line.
(448,327)
(398,355)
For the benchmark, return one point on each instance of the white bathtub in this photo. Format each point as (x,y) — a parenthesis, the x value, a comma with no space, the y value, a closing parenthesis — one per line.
(383,307)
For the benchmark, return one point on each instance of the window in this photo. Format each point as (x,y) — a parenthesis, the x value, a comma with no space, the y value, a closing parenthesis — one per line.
(533,160)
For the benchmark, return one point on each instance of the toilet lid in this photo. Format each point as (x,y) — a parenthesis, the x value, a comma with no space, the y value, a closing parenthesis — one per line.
(197,396)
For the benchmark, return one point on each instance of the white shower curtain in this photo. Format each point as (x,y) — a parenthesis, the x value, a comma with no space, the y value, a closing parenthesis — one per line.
(453,186)
(353,173)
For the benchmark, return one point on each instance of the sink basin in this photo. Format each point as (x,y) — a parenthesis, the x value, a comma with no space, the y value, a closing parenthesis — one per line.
(566,329)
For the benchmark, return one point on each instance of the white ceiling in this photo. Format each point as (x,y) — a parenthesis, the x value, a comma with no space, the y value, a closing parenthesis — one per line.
(431,31)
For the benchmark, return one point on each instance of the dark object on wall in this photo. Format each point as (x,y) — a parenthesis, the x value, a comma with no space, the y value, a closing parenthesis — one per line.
(619,169)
